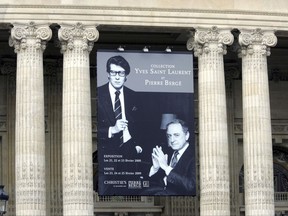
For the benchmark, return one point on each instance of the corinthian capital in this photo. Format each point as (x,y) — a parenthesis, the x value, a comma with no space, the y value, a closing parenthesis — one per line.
(262,39)
(201,39)
(68,34)
(193,45)
(20,33)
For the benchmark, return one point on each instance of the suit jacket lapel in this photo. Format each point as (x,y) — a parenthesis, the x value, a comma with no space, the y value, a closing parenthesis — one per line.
(129,104)
(184,158)
(107,104)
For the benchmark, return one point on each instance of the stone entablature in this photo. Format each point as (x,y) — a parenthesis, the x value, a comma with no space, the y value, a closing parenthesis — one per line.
(180,14)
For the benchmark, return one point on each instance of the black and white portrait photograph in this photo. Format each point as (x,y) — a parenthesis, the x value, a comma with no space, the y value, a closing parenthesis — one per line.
(145,124)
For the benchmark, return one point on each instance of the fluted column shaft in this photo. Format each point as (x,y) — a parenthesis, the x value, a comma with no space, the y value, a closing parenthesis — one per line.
(29,42)
(258,157)
(210,46)
(77,42)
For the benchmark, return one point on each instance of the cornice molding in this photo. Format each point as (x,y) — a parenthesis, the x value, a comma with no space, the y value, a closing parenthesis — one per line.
(145,16)
(147,9)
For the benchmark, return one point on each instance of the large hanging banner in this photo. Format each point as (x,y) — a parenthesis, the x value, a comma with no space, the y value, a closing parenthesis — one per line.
(145,129)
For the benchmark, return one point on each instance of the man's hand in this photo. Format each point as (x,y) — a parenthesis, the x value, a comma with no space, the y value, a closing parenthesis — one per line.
(155,162)
(138,149)
(121,124)
(159,159)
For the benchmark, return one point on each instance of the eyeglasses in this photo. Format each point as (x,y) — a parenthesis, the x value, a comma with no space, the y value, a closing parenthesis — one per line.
(120,73)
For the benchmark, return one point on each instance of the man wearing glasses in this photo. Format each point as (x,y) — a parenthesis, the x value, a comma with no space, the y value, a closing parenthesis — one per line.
(117,119)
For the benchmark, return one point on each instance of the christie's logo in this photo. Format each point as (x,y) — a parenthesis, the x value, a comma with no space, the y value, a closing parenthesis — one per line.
(134,184)
(115,182)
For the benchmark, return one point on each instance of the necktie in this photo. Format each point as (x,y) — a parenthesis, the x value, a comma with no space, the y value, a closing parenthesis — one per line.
(117,106)
(118,114)
(174,159)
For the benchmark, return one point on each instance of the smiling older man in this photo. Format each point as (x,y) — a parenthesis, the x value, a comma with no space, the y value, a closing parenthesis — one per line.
(176,175)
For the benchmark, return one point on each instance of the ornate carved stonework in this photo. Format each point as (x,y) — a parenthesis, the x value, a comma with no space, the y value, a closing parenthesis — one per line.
(262,39)
(69,33)
(20,33)
(202,37)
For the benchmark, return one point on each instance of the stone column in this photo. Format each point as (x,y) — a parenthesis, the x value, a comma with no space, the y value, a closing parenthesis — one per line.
(29,42)
(77,42)
(258,157)
(209,46)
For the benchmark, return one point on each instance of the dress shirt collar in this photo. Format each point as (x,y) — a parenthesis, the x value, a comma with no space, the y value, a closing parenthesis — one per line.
(181,151)
(112,90)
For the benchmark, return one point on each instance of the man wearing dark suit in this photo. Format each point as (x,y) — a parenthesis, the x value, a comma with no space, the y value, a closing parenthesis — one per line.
(176,177)
(117,136)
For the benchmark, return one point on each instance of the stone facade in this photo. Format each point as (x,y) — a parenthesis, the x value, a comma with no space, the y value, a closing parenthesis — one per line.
(241,114)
